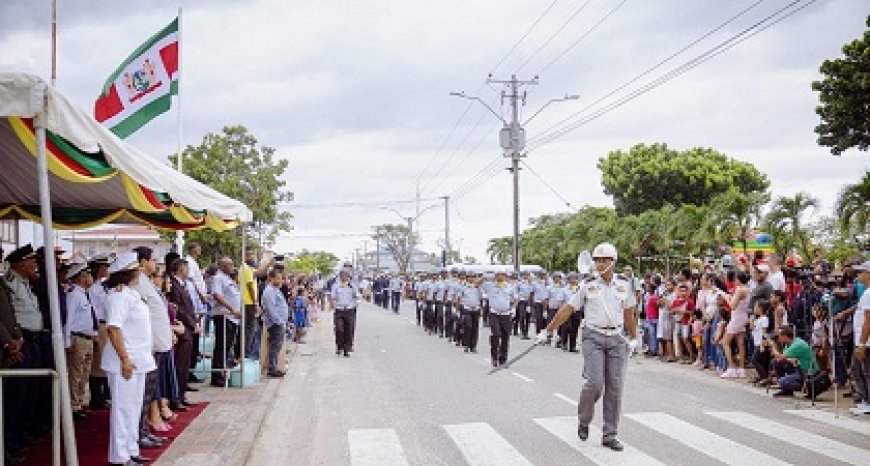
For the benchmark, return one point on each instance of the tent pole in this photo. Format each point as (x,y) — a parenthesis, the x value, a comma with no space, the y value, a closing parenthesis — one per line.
(57,344)
(243,344)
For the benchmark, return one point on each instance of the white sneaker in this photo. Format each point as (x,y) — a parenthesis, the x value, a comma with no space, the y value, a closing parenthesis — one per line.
(740,374)
(729,374)
(861,408)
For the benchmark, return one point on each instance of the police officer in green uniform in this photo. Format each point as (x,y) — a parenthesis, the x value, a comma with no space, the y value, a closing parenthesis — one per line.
(609,311)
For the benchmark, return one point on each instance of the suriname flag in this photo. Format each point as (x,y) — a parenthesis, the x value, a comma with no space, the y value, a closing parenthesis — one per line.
(142,87)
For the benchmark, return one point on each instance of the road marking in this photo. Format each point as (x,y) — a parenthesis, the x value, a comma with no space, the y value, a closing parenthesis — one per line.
(816,443)
(704,441)
(566,399)
(565,429)
(522,377)
(482,445)
(372,447)
(844,421)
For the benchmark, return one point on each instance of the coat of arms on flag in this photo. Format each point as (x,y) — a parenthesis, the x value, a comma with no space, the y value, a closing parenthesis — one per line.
(142,87)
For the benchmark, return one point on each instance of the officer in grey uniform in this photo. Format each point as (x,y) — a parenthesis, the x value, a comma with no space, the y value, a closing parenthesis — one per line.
(524,307)
(609,310)
(440,289)
(343,299)
(538,299)
(450,314)
(395,293)
(568,331)
(469,300)
(502,298)
(431,313)
(420,298)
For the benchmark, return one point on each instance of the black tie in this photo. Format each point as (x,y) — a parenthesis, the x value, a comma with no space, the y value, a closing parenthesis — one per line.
(93,314)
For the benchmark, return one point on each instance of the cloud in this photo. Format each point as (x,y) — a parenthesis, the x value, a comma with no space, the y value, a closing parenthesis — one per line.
(355,95)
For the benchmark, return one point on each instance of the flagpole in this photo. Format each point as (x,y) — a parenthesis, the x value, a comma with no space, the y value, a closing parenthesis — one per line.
(179,237)
(53,42)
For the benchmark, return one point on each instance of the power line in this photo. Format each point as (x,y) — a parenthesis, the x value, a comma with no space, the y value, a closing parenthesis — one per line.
(678,71)
(456,151)
(477,145)
(580,39)
(327,205)
(523,37)
(550,187)
(650,69)
(553,36)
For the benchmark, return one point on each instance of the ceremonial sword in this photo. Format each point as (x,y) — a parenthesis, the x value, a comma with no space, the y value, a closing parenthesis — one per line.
(514,359)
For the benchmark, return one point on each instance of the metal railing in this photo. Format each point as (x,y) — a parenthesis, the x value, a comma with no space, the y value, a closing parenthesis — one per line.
(55,412)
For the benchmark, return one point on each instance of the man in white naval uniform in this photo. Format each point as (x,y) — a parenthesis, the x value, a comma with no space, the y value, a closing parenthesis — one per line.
(609,310)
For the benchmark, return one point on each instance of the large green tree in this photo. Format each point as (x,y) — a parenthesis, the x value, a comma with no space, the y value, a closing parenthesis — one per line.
(399,240)
(844,98)
(233,163)
(313,262)
(738,214)
(650,176)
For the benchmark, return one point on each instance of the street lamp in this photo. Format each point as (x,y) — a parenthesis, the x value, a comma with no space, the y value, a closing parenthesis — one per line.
(561,99)
(410,221)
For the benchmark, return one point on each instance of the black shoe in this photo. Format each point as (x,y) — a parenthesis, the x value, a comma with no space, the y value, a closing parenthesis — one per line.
(218,383)
(346,354)
(156,438)
(525,338)
(573,351)
(494,363)
(783,393)
(141,459)
(583,432)
(188,404)
(194,379)
(466,350)
(275,375)
(613,444)
(191,389)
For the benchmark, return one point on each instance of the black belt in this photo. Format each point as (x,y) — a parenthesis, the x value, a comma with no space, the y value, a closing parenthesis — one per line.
(101,321)
(32,333)
(81,335)
(345,309)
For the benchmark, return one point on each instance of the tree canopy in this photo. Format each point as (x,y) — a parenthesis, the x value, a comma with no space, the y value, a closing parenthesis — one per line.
(844,98)
(647,177)
(313,262)
(233,163)
(399,240)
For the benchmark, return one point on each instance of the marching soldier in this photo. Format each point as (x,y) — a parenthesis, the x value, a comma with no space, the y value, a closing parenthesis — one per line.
(524,293)
(609,310)
(439,288)
(469,301)
(538,299)
(420,298)
(502,298)
(568,331)
(395,293)
(343,299)
(431,290)
(450,319)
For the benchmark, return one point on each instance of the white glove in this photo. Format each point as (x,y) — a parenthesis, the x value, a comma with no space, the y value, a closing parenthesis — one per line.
(542,337)
(632,346)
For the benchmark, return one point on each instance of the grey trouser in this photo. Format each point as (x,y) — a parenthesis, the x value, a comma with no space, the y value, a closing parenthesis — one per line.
(861,374)
(277,333)
(604,359)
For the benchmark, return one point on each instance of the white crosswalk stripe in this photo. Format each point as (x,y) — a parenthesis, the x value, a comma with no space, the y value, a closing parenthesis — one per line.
(844,421)
(704,441)
(785,433)
(374,447)
(565,429)
(483,446)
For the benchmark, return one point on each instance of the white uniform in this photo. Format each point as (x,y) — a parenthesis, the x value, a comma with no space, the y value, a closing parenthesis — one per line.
(126,310)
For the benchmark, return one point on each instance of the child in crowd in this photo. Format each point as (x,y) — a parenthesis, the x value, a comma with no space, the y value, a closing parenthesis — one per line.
(666,323)
(697,336)
(681,311)
(780,315)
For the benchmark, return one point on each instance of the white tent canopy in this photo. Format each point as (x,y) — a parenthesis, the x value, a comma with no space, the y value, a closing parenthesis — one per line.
(21,96)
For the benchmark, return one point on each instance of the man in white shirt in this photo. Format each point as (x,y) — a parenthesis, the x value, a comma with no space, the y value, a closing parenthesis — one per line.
(226,314)
(200,292)
(861,331)
(776,278)
(79,333)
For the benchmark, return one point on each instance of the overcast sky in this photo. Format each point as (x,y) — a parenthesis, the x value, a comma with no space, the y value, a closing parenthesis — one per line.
(355,94)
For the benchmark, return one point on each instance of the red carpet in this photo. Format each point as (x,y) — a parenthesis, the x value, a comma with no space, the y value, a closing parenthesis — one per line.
(92,438)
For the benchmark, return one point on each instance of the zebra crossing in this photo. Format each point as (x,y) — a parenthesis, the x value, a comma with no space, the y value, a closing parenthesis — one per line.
(480,444)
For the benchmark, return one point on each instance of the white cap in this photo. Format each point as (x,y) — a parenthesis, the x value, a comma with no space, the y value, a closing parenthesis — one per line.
(76,268)
(605,250)
(124,261)
(763,268)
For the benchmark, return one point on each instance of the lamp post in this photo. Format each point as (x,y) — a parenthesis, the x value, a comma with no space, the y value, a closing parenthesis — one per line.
(410,221)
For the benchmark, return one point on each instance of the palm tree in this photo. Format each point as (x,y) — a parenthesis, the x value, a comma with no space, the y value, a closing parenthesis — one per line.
(785,218)
(738,213)
(853,207)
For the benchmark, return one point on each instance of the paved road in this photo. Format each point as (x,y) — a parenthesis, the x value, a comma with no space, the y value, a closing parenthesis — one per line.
(407,398)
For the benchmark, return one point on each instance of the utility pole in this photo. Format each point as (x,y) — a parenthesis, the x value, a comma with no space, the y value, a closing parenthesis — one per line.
(513,141)
(411,239)
(446,231)
(377,252)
